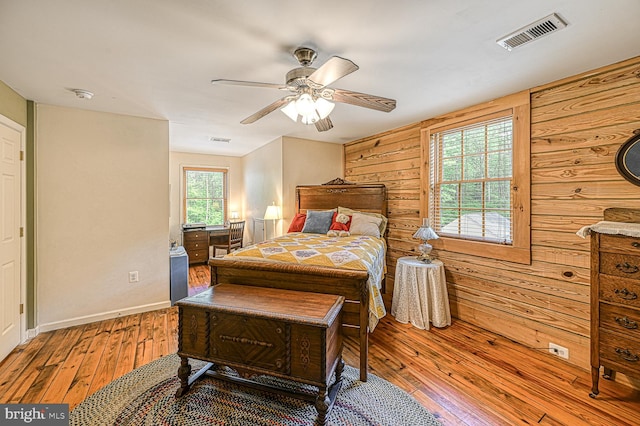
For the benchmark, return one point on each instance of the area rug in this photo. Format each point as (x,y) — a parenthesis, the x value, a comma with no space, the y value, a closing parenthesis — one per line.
(146,396)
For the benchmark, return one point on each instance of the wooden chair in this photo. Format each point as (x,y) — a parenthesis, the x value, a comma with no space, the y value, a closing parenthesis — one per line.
(236,232)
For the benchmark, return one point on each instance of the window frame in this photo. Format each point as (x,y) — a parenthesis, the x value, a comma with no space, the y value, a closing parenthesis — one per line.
(225,196)
(518,104)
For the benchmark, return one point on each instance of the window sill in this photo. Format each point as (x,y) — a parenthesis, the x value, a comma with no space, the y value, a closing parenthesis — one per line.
(487,250)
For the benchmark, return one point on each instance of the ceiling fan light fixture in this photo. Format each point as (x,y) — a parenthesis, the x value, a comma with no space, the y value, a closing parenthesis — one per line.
(290,110)
(311,98)
(324,107)
(309,110)
(310,118)
(305,105)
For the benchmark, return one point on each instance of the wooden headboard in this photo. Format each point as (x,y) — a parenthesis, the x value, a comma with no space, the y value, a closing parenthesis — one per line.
(363,197)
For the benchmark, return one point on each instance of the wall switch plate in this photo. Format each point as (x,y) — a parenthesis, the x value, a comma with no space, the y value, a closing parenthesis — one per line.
(133,277)
(559,350)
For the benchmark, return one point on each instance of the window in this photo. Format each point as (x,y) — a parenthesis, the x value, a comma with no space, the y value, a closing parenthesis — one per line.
(478,180)
(471,170)
(205,195)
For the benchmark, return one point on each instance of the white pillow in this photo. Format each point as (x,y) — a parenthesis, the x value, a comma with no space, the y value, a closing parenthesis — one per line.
(362,224)
(350,212)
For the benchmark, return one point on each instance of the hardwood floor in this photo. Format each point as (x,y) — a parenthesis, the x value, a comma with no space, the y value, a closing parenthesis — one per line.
(462,374)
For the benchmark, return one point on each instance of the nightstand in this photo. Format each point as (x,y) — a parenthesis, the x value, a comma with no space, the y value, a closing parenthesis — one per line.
(420,293)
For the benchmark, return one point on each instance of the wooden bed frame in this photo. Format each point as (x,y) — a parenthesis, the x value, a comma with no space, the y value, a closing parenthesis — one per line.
(352,284)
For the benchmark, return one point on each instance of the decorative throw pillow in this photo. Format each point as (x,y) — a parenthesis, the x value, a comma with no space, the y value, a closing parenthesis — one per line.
(297,223)
(350,212)
(362,224)
(318,222)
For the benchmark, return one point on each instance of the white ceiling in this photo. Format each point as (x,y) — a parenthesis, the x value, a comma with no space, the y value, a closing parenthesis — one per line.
(156,58)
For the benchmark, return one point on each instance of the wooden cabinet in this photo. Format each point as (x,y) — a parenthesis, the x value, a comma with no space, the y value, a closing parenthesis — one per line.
(615,301)
(256,330)
(196,243)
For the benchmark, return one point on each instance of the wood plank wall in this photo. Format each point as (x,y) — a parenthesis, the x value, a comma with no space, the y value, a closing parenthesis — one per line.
(577,125)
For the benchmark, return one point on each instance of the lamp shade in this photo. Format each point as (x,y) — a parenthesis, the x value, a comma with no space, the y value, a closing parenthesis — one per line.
(324,107)
(310,118)
(290,110)
(272,213)
(425,233)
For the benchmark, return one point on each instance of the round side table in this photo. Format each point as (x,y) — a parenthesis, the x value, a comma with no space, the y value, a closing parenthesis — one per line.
(420,293)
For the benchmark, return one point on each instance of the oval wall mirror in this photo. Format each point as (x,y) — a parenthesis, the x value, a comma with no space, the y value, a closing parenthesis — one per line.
(628,159)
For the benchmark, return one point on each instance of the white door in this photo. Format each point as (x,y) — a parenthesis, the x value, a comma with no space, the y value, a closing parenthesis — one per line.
(10,248)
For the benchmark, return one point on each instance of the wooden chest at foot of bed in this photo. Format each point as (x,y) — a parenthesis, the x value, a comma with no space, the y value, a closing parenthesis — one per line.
(254,330)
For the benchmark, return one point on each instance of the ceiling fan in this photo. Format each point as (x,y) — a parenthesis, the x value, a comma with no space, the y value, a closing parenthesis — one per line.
(311,100)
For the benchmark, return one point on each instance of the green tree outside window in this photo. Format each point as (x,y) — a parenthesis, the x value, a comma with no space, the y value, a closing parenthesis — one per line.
(205,197)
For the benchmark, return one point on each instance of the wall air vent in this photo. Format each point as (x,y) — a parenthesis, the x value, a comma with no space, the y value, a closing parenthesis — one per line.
(533,31)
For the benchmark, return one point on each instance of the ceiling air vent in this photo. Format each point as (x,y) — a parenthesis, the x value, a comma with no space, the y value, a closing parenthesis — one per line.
(533,31)
(216,139)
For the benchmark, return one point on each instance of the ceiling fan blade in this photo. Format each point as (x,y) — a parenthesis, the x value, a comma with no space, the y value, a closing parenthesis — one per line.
(266,110)
(249,84)
(334,69)
(324,124)
(363,100)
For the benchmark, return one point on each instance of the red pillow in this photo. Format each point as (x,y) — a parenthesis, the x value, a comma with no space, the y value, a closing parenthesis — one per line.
(297,223)
(337,226)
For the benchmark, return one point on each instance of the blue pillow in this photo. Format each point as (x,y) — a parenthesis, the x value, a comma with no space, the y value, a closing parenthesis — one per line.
(318,222)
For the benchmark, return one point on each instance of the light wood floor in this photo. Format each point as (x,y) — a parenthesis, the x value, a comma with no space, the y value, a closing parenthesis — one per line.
(462,374)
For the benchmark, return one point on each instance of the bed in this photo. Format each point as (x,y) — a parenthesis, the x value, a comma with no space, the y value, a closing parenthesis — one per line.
(361,286)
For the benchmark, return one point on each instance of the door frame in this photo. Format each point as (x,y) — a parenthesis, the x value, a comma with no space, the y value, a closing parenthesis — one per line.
(23,220)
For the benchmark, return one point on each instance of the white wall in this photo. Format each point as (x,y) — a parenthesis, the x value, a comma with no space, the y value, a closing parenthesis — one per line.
(307,162)
(177,160)
(108,202)
(263,183)
(273,171)
(102,210)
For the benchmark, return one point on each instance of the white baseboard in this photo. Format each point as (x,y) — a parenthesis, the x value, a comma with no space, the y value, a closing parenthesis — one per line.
(101,316)
(30,334)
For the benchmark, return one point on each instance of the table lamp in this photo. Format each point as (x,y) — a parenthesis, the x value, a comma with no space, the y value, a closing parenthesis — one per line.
(425,233)
(273,213)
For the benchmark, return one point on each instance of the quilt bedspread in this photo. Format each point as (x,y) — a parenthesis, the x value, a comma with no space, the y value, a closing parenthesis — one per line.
(358,252)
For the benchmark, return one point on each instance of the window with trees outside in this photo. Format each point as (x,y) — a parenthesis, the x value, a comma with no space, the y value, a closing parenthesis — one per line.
(205,195)
(471,170)
(478,183)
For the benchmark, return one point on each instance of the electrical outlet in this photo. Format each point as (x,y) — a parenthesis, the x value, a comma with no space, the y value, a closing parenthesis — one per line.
(133,277)
(559,350)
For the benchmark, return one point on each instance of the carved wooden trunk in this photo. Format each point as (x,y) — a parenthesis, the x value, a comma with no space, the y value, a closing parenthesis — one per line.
(255,330)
